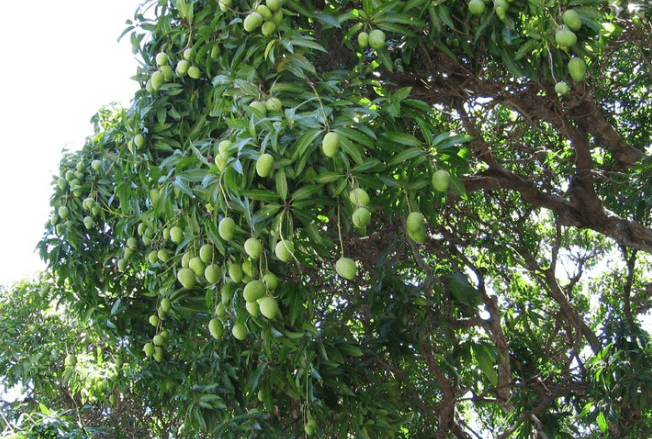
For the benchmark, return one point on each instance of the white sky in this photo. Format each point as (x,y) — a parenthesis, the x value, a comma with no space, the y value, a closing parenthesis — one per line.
(60,63)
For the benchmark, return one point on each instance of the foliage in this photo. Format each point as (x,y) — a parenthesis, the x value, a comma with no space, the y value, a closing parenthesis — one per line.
(509,309)
(94,395)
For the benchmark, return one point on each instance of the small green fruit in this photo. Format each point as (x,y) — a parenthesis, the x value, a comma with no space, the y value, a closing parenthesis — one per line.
(377,39)
(212,273)
(185,259)
(363,40)
(139,141)
(226,228)
(182,68)
(562,88)
(206,253)
(310,427)
(264,11)
(71,360)
(163,255)
(274,5)
(572,19)
(168,73)
(216,328)
(565,37)
(152,257)
(277,19)
(284,250)
(239,331)
(166,304)
(158,353)
(224,5)
(359,197)
(224,146)
(264,165)
(132,243)
(153,320)
(249,269)
(441,180)
(96,165)
(148,349)
(188,54)
(253,291)
(271,281)
(88,222)
(415,221)
(253,247)
(577,69)
(346,268)
(176,234)
(268,28)
(122,264)
(260,107)
(197,266)
(235,273)
(194,72)
(476,7)
(221,160)
(331,144)
(501,12)
(63,212)
(187,277)
(252,21)
(273,104)
(158,340)
(268,307)
(220,310)
(252,308)
(361,217)
(158,79)
(215,51)
(161,59)
(418,235)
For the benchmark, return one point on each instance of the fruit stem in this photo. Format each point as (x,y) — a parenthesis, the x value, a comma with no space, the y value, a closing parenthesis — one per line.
(226,200)
(339,230)
(321,105)
(552,68)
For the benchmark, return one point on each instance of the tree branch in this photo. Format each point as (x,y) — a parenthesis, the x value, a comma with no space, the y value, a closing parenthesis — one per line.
(628,233)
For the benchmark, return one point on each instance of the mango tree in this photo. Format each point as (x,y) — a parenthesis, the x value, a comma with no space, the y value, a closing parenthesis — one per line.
(374,218)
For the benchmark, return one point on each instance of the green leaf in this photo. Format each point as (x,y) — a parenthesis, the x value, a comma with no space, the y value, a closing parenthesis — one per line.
(406,154)
(350,350)
(328,20)
(402,138)
(462,290)
(486,361)
(603,425)
(281,183)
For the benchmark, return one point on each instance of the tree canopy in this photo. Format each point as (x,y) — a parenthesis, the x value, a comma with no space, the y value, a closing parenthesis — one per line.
(356,219)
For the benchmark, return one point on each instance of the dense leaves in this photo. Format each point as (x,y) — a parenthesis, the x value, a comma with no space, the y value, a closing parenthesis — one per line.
(201,228)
